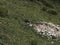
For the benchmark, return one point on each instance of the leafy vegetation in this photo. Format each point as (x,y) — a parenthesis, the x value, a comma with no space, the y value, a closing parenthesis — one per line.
(3,12)
(13,29)
(52,12)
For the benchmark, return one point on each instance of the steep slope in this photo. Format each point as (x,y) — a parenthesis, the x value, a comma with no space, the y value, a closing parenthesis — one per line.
(13,29)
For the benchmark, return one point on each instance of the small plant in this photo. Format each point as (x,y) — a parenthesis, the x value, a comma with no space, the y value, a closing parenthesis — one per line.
(53,37)
(53,12)
(3,12)
(44,8)
(31,0)
(33,42)
(44,2)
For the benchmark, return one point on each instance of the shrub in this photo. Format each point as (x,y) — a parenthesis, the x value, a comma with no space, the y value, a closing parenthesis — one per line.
(3,12)
(46,3)
(53,12)
(44,8)
(31,0)
(33,42)
(53,37)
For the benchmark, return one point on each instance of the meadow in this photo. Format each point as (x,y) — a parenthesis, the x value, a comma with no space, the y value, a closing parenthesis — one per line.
(13,29)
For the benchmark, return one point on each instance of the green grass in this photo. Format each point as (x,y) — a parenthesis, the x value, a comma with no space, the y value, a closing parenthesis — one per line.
(13,30)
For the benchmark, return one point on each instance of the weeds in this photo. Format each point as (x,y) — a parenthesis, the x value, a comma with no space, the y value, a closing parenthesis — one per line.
(53,12)
(3,12)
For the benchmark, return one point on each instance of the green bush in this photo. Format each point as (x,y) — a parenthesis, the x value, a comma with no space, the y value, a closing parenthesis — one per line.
(53,12)
(33,42)
(3,12)
(46,3)
(44,9)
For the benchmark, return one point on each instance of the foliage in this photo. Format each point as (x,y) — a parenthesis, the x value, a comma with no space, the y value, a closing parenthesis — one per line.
(3,12)
(13,30)
(52,12)
(33,42)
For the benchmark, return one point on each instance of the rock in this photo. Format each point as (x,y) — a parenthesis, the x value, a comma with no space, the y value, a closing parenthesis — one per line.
(30,24)
(48,29)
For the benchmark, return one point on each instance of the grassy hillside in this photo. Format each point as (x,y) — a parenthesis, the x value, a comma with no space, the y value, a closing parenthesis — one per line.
(13,29)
